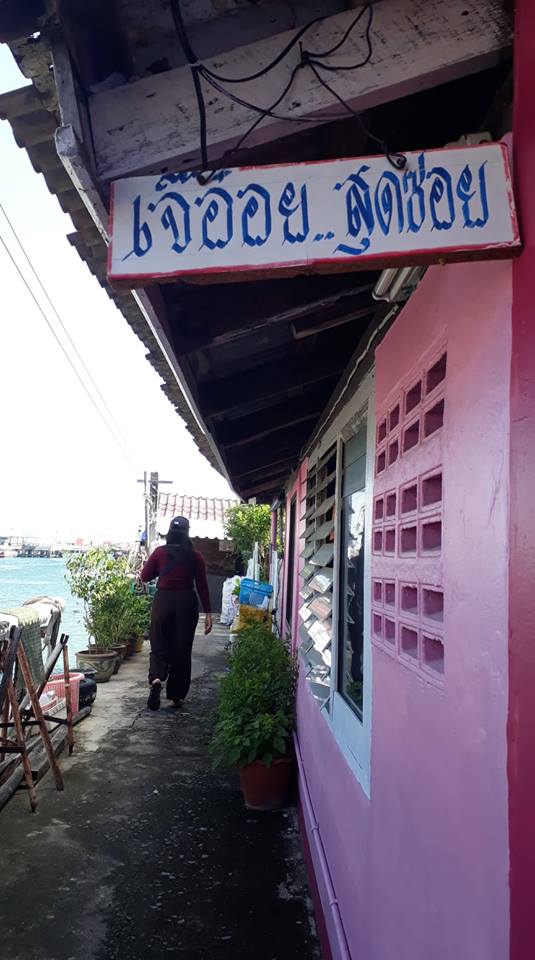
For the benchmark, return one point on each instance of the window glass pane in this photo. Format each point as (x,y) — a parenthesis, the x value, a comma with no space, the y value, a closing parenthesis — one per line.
(351,614)
(354,477)
(355,448)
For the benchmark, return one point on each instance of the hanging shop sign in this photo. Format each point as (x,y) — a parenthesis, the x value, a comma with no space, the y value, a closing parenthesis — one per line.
(325,217)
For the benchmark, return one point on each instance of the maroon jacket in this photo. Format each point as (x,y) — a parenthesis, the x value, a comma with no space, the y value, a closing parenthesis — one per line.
(179,576)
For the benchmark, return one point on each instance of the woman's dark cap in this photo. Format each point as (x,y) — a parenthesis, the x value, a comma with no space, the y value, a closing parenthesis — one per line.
(179,523)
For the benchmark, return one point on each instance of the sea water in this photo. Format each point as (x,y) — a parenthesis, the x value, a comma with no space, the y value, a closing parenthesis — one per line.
(22,578)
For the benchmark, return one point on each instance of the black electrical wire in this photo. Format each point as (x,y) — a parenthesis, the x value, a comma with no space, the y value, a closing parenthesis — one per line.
(196,70)
(318,59)
(193,59)
(196,77)
(269,111)
(183,33)
(274,63)
(311,59)
(328,53)
(398,160)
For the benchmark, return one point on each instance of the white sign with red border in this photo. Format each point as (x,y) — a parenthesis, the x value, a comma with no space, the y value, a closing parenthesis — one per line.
(332,216)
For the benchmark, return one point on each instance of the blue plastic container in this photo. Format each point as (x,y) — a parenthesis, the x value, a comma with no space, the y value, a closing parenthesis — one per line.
(254,592)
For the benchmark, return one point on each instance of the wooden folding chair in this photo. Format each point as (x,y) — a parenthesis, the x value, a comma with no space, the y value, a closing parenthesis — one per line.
(28,713)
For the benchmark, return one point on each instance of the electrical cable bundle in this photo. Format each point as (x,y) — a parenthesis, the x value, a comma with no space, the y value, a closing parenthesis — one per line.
(313,60)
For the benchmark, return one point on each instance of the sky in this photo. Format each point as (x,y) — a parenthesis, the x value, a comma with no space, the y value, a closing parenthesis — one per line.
(62,475)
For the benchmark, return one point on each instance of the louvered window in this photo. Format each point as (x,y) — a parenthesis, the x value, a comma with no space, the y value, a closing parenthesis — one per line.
(316,630)
(351,607)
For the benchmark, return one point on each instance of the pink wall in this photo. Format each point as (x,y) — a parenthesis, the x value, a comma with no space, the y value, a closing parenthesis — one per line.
(522,532)
(421,870)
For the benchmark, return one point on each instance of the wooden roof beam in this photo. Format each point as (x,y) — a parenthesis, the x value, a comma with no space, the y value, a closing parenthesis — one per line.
(228,325)
(311,326)
(276,468)
(276,427)
(259,453)
(153,123)
(231,433)
(266,384)
(266,486)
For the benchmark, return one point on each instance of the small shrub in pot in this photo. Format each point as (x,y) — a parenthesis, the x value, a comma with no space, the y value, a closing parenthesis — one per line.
(101,582)
(255,718)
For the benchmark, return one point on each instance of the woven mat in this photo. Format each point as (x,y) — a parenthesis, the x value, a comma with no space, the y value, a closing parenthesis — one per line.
(30,623)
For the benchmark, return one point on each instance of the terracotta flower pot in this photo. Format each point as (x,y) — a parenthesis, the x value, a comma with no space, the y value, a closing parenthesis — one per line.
(266,788)
(103,663)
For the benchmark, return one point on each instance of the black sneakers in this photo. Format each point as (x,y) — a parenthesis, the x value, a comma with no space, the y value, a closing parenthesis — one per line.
(153,703)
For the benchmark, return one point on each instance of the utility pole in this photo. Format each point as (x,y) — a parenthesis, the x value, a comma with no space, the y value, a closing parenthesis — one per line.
(150,499)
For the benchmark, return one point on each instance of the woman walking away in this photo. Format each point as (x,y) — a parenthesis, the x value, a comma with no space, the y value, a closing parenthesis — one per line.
(175,612)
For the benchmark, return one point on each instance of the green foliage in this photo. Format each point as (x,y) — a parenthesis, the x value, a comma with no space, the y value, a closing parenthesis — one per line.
(112,612)
(95,574)
(139,606)
(256,704)
(247,524)
(108,619)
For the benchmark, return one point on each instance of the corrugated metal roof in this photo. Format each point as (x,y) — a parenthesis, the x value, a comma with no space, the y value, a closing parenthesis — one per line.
(205,514)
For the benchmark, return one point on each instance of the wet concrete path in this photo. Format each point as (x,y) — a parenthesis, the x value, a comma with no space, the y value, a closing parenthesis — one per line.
(148,852)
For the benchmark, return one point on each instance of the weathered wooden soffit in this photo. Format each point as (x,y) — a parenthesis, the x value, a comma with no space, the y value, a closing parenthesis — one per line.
(250,366)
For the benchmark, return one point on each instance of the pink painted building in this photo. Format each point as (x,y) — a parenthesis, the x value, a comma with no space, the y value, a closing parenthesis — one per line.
(416,728)
(403,747)
(397,438)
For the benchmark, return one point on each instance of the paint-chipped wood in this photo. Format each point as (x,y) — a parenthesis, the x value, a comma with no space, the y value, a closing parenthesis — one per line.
(147,125)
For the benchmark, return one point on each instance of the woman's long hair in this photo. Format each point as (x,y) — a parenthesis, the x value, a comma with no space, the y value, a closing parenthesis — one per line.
(180,547)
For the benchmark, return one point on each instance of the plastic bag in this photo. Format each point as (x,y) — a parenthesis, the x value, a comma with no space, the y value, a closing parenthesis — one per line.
(228,601)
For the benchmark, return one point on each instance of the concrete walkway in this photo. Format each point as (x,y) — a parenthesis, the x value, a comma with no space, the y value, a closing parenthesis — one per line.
(147,853)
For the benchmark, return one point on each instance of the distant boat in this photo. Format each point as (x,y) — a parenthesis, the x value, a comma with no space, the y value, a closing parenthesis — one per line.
(8,552)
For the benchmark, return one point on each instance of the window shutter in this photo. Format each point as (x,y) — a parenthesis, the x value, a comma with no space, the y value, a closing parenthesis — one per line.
(319,512)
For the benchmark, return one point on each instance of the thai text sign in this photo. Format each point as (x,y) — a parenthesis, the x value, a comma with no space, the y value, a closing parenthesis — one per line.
(451,204)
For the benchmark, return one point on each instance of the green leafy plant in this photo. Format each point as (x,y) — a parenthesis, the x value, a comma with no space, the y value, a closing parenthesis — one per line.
(139,608)
(255,716)
(247,524)
(101,582)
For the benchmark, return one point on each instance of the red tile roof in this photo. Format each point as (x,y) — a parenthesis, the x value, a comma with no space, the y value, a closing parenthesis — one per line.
(194,508)
(206,514)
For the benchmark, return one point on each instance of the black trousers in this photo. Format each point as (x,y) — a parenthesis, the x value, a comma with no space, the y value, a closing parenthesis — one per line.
(175,614)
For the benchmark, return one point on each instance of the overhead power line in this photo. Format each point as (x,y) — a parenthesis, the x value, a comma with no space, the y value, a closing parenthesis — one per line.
(64,351)
(61,323)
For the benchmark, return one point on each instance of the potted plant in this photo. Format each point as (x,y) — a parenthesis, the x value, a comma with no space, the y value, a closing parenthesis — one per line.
(255,716)
(141,609)
(137,620)
(101,582)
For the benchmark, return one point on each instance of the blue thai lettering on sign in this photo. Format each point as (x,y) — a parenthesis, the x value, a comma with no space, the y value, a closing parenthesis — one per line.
(347,209)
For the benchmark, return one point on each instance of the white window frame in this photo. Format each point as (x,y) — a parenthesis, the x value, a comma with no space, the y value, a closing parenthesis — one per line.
(352,733)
